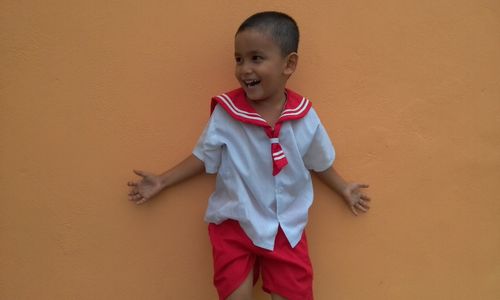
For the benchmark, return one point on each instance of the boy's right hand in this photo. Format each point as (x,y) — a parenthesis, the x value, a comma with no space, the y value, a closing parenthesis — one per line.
(141,191)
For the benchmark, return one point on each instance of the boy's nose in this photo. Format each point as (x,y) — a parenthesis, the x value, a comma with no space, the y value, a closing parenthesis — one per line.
(245,69)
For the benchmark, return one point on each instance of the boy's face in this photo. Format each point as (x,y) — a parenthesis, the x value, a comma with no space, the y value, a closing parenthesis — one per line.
(261,69)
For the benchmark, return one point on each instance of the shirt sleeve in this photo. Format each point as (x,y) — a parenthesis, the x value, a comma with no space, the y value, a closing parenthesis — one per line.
(209,148)
(320,154)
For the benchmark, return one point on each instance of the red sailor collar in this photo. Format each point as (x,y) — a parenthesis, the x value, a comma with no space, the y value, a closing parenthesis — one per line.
(237,106)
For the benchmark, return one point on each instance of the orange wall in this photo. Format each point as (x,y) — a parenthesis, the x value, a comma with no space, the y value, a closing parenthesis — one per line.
(408,90)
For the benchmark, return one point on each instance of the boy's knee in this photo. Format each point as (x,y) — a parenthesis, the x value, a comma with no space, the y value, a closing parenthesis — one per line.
(244,291)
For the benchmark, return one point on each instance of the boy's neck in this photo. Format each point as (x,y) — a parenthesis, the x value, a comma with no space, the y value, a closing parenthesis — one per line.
(270,109)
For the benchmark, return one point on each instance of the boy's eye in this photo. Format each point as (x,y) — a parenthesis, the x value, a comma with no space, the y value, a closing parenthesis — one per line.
(257,58)
(238,60)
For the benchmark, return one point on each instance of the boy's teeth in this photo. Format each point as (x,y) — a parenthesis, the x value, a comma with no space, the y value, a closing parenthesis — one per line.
(252,82)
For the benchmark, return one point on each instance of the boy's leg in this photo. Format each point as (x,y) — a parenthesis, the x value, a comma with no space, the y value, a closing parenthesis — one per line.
(287,272)
(244,292)
(235,265)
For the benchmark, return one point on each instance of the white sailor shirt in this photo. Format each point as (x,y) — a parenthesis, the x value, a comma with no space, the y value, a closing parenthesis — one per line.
(263,176)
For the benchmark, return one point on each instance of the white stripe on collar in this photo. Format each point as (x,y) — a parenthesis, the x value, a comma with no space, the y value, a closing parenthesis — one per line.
(244,114)
(295,108)
(296,111)
(236,108)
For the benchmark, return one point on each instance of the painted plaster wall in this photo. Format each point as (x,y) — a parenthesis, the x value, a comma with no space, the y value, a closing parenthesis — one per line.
(408,90)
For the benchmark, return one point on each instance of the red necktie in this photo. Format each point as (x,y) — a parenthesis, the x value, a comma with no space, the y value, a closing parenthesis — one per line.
(278,156)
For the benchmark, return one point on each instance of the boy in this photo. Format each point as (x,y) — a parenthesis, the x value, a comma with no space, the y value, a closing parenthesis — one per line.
(262,141)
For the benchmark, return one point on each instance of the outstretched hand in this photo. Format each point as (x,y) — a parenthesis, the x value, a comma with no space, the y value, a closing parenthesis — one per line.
(143,190)
(355,199)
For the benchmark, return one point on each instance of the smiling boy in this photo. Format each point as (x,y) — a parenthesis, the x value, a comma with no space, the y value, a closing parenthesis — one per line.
(262,140)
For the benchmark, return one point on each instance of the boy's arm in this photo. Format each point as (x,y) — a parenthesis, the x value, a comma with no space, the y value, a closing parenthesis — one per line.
(350,192)
(151,184)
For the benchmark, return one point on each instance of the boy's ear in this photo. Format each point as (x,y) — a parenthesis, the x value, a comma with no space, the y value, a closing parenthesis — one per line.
(291,63)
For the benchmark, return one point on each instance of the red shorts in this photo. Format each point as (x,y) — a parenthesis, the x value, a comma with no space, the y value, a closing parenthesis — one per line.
(286,271)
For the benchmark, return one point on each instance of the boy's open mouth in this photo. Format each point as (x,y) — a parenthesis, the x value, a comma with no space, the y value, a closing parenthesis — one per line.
(250,83)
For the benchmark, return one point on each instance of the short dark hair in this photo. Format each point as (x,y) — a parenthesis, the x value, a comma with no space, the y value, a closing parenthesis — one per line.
(282,28)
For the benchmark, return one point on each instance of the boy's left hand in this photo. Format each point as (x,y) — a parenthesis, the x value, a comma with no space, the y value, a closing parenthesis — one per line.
(355,199)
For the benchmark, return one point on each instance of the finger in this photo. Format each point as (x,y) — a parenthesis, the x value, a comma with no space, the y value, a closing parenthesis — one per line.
(135,197)
(133,192)
(354,210)
(140,173)
(361,185)
(364,204)
(141,201)
(361,207)
(365,197)
(138,201)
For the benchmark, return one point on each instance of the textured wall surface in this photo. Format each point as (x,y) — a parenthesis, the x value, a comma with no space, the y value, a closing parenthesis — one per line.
(409,92)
